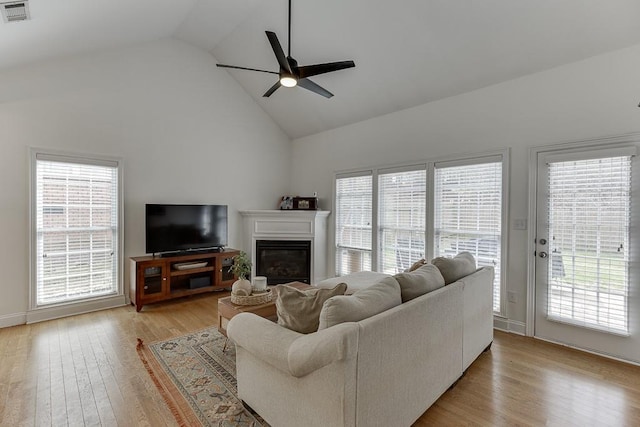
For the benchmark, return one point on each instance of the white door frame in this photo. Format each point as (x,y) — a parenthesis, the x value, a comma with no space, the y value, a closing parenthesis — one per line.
(534,152)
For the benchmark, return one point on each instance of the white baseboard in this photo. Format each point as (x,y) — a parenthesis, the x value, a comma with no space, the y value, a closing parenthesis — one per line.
(13,320)
(586,350)
(511,326)
(49,313)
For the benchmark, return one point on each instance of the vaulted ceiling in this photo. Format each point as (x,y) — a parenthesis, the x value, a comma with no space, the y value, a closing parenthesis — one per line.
(407,52)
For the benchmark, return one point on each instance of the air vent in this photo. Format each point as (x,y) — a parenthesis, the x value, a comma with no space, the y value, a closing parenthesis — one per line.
(15,11)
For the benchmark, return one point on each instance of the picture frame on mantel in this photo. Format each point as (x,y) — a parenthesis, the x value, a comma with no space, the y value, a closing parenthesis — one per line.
(305,203)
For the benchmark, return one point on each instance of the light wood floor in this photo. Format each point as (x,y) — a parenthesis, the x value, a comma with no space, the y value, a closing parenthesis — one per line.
(84,370)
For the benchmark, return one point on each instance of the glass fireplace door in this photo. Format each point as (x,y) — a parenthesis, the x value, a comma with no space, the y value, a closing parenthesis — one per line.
(283,261)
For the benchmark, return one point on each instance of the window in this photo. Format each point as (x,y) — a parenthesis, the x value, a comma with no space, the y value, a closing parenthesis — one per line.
(401,218)
(388,218)
(76,227)
(468,214)
(353,223)
(588,213)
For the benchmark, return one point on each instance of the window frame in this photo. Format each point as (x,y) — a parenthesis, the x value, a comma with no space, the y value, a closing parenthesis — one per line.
(64,308)
(502,155)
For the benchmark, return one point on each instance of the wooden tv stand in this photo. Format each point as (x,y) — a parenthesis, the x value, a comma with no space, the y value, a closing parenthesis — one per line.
(153,278)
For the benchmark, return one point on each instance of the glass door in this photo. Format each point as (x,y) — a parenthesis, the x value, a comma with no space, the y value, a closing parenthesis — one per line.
(153,279)
(584,295)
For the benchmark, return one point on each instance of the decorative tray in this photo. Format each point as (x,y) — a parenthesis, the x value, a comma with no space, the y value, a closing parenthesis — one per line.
(253,299)
(189,265)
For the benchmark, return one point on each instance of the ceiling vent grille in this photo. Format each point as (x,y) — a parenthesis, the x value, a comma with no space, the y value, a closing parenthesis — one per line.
(15,11)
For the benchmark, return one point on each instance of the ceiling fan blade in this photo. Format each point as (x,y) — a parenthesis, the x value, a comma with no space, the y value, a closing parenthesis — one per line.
(314,70)
(271,90)
(277,49)
(313,87)
(245,68)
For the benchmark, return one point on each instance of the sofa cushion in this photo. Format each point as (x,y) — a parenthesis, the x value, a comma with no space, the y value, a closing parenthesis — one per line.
(455,268)
(362,304)
(420,281)
(300,310)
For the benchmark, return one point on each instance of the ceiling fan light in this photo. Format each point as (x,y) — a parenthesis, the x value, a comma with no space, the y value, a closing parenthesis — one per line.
(288,81)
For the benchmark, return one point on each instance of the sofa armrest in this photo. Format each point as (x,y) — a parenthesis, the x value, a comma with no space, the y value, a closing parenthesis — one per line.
(291,352)
(263,338)
(478,313)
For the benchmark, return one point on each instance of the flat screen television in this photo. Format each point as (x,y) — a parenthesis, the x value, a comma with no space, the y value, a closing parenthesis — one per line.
(178,228)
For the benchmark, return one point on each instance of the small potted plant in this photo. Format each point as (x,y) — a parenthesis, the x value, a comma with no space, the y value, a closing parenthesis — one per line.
(241,268)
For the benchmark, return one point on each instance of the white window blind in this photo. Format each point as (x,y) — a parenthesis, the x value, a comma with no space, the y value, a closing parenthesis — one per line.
(353,223)
(77,229)
(588,215)
(468,215)
(401,219)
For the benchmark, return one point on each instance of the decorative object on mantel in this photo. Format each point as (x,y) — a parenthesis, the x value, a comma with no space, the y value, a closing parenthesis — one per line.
(286,203)
(241,268)
(305,203)
(299,203)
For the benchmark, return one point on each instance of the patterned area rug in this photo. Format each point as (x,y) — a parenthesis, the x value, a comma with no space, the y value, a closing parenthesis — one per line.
(198,380)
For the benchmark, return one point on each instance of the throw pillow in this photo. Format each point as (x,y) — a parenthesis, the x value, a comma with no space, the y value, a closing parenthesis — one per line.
(419,282)
(416,265)
(300,310)
(354,281)
(455,268)
(362,304)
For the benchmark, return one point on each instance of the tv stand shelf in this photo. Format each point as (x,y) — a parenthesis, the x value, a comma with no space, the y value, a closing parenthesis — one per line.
(190,271)
(156,278)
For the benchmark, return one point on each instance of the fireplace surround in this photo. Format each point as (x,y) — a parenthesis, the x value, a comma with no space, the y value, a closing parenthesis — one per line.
(286,246)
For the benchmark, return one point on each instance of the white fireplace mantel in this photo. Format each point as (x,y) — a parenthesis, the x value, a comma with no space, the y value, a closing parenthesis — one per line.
(289,225)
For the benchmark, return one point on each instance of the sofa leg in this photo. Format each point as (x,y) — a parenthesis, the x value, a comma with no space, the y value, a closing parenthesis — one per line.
(247,407)
(250,409)
(456,381)
(488,347)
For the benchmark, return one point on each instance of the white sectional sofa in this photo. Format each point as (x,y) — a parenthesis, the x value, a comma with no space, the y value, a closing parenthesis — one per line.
(384,370)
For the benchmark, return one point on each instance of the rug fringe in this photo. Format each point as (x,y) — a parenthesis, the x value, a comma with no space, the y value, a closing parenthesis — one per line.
(140,348)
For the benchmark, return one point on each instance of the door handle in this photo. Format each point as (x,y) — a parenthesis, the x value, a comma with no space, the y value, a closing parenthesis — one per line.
(543,255)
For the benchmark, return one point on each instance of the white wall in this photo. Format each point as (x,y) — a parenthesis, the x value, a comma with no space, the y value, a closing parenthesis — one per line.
(188,133)
(587,99)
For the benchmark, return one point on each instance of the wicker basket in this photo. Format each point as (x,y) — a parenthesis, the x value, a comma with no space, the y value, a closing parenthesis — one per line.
(253,299)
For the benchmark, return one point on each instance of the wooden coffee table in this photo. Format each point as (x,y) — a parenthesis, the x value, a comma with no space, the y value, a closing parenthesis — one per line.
(227,309)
